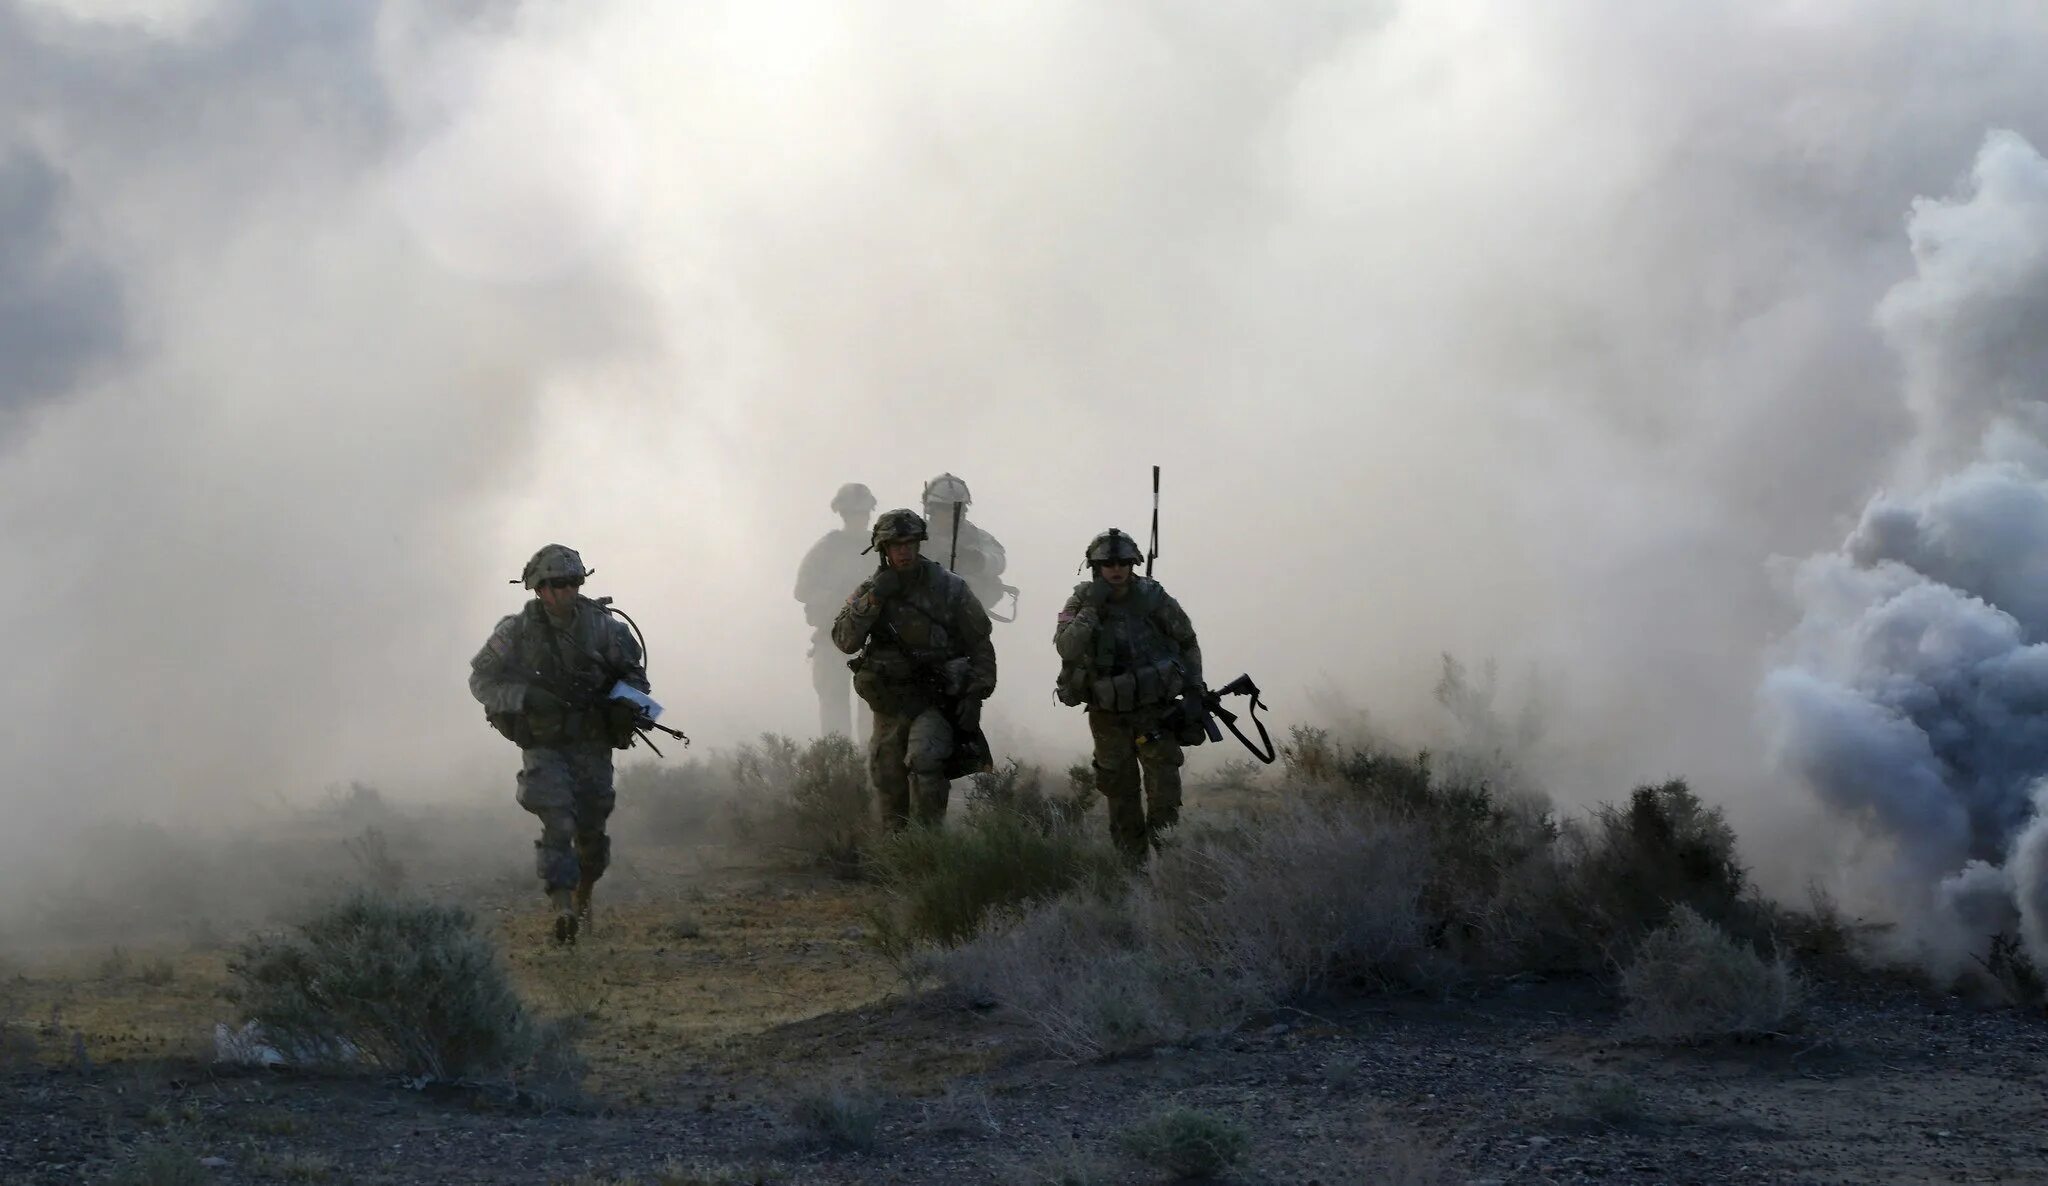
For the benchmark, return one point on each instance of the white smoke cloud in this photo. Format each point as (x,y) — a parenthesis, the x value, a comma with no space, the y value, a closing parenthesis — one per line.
(1521,331)
(1912,696)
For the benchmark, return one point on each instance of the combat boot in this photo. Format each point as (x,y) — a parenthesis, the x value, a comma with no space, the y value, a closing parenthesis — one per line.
(581,901)
(565,916)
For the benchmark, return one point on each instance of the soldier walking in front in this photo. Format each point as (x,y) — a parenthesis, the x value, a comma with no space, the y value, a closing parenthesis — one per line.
(923,654)
(833,565)
(544,679)
(1128,652)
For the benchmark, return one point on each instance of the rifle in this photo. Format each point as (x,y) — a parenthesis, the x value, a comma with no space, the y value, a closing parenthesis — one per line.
(1208,706)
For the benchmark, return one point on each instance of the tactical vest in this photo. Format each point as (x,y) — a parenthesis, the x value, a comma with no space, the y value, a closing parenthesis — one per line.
(1134,663)
(899,670)
(542,656)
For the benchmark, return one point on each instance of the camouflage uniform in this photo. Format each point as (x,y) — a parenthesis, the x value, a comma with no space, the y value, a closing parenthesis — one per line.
(565,774)
(920,647)
(979,560)
(833,565)
(1128,654)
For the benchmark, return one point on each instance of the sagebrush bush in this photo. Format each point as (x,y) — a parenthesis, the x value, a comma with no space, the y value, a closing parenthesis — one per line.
(1313,894)
(161,1165)
(1663,850)
(1078,971)
(840,1116)
(941,883)
(1229,921)
(677,801)
(811,801)
(1188,1143)
(405,985)
(1689,981)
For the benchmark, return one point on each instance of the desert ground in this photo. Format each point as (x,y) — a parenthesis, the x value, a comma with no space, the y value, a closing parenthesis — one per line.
(740,1026)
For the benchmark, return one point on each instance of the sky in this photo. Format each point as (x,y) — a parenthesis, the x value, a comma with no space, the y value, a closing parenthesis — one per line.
(1595,339)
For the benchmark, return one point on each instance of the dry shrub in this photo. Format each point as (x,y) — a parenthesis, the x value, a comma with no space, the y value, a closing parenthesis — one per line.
(811,801)
(1188,1143)
(1691,982)
(1231,921)
(161,1165)
(941,883)
(408,986)
(1076,969)
(844,1116)
(1314,894)
(676,801)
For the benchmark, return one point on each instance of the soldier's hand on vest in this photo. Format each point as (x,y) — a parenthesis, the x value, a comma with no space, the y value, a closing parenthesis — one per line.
(887,583)
(539,699)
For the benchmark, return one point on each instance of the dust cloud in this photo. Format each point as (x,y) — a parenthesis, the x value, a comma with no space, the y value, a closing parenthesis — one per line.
(1524,334)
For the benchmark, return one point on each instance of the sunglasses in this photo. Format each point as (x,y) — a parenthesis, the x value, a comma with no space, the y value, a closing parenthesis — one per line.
(561,583)
(1119,564)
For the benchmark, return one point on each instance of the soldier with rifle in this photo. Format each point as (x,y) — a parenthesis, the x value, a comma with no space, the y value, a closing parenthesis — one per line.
(924,662)
(1129,654)
(554,679)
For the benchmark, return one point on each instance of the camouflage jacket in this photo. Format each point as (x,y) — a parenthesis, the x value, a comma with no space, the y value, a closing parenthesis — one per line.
(832,566)
(1135,649)
(981,560)
(578,663)
(925,646)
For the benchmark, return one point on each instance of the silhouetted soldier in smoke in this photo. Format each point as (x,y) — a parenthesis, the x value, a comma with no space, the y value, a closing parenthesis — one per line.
(978,558)
(544,678)
(835,564)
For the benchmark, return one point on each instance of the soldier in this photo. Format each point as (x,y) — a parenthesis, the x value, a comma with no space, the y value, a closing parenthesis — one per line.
(1127,651)
(924,659)
(832,566)
(979,559)
(543,679)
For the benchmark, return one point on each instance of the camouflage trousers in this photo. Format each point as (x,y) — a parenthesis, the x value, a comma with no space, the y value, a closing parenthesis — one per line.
(837,706)
(570,789)
(1125,758)
(907,764)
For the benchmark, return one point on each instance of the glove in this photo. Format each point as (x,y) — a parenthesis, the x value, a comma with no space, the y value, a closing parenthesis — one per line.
(1098,593)
(539,699)
(887,583)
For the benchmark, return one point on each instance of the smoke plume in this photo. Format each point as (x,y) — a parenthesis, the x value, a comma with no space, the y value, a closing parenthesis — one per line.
(1521,332)
(1913,693)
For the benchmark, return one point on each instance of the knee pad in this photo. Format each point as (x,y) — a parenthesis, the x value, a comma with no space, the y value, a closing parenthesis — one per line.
(594,854)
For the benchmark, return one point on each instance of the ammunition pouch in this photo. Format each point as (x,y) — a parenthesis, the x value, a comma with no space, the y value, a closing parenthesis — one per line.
(1139,687)
(512,727)
(546,730)
(1073,685)
(889,682)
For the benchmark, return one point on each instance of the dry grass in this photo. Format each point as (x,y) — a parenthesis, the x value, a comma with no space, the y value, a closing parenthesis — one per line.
(1690,982)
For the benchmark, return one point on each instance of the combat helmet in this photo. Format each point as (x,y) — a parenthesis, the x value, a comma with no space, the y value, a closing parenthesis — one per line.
(1113,545)
(896,526)
(947,489)
(553,562)
(853,499)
